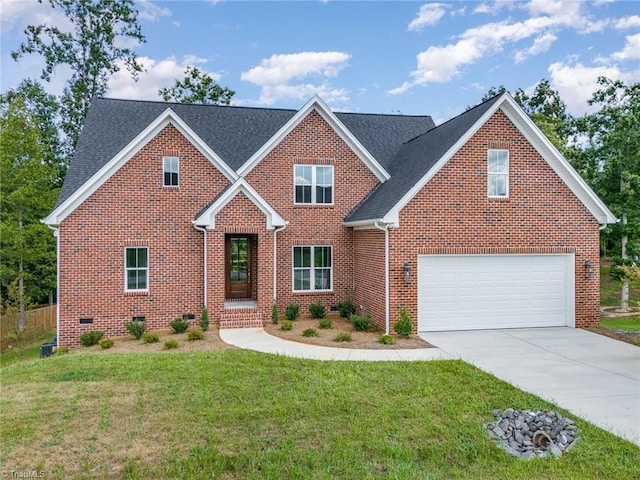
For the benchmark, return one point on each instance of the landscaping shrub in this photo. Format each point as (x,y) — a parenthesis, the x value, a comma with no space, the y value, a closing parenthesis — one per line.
(310,332)
(362,323)
(136,329)
(179,325)
(386,340)
(106,343)
(286,325)
(195,335)
(292,311)
(325,323)
(150,338)
(317,310)
(347,307)
(61,351)
(204,319)
(343,337)
(404,326)
(170,344)
(91,337)
(275,315)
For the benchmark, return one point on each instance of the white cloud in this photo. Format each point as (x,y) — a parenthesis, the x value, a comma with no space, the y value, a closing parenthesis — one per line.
(631,50)
(429,14)
(628,22)
(576,83)
(276,76)
(158,74)
(16,15)
(540,45)
(151,12)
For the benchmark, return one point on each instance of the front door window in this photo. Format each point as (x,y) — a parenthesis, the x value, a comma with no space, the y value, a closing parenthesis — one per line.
(238,260)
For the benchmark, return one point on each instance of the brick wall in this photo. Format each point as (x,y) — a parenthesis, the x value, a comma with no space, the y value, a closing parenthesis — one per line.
(134,209)
(454,215)
(369,287)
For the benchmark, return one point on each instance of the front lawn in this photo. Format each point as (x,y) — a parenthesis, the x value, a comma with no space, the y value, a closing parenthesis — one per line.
(610,288)
(238,414)
(629,324)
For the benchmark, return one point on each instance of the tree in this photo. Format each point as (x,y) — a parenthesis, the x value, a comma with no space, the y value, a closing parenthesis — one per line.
(27,264)
(197,87)
(93,49)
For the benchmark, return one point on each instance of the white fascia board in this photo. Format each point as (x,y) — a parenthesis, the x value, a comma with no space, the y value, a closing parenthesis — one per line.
(168,117)
(362,224)
(557,162)
(208,218)
(343,132)
(393,216)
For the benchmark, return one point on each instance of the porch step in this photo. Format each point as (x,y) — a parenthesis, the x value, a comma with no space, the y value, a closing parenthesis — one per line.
(241,318)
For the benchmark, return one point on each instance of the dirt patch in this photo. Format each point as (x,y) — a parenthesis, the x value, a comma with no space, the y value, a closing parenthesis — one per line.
(363,340)
(628,337)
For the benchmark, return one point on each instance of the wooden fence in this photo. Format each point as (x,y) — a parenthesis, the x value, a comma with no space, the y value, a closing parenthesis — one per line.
(38,320)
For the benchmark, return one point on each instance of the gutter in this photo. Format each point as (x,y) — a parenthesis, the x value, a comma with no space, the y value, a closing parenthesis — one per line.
(275,263)
(56,232)
(385,229)
(206,276)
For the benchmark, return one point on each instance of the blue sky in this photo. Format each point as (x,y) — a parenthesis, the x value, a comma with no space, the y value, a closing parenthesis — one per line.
(376,57)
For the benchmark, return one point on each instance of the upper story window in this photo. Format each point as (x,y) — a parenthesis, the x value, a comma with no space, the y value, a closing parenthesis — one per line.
(136,269)
(171,171)
(313,184)
(498,173)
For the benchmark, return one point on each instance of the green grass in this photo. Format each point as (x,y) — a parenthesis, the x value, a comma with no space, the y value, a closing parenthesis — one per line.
(29,352)
(235,414)
(631,324)
(610,289)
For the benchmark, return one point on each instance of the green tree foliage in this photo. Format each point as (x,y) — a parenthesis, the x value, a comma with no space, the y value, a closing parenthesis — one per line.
(93,49)
(27,264)
(197,87)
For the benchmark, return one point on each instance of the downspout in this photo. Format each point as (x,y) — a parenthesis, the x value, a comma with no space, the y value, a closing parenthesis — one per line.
(385,229)
(55,231)
(206,276)
(275,263)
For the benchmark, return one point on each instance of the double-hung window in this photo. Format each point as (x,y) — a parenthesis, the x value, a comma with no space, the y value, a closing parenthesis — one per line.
(312,268)
(313,184)
(136,269)
(498,173)
(171,171)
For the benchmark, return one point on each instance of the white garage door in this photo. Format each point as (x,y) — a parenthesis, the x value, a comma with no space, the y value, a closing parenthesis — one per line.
(469,292)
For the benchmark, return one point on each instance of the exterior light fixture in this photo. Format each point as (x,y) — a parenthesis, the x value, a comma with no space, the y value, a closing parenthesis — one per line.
(406,272)
(589,269)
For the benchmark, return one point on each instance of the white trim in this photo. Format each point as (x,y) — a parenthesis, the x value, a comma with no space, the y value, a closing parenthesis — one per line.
(126,270)
(205,262)
(343,132)
(168,117)
(542,145)
(314,184)
(208,217)
(169,171)
(311,269)
(387,312)
(489,174)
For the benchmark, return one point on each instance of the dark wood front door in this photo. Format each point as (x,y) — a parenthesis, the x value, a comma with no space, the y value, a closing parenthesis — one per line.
(238,266)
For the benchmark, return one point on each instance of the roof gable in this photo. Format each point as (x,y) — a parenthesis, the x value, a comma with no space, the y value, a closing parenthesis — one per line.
(316,104)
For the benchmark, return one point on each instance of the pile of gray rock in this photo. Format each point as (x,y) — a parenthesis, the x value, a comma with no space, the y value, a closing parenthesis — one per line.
(529,433)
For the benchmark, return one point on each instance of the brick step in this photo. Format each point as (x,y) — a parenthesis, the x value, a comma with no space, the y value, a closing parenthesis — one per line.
(241,318)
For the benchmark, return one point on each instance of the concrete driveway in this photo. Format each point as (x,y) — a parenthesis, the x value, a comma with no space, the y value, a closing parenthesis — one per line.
(595,377)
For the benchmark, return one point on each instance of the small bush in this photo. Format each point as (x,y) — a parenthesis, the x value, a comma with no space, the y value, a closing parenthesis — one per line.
(195,335)
(136,329)
(91,338)
(386,340)
(292,311)
(150,338)
(347,307)
(286,325)
(404,325)
(362,323)
(170,345)
(317,310)
(310,332)
(204,319)
(325,323)
(275,315)
(343,337)
(106,343)
(179,325)
(61,351)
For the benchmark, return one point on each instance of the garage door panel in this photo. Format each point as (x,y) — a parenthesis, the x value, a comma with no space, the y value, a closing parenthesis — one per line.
(494,291)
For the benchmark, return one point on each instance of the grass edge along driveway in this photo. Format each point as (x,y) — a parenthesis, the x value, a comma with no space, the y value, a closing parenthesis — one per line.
(238,414)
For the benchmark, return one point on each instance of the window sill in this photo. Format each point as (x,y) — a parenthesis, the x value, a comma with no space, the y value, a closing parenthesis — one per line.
(310,292)
(136,293)
(498,199)
(314,205)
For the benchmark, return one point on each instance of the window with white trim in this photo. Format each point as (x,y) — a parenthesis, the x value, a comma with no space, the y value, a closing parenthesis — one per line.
(171,171)
(136,275)
(498,173)
(312,268)
(313,184)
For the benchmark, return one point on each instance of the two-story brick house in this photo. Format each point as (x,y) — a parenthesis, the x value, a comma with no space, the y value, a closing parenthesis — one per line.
(475,223)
